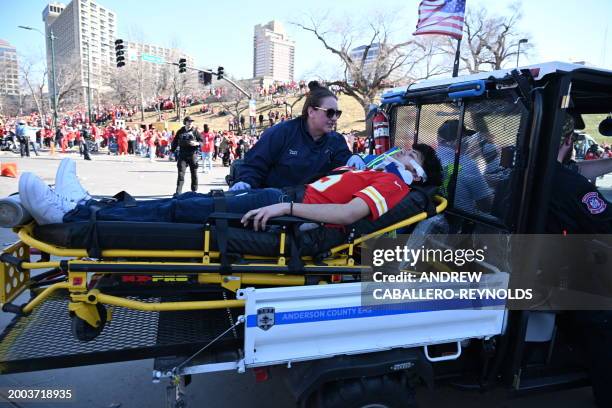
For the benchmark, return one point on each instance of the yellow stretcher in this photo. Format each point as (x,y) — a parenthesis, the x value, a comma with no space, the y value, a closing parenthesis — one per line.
(80,275)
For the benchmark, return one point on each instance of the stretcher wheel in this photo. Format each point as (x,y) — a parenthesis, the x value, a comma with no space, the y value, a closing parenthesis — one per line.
(83,330)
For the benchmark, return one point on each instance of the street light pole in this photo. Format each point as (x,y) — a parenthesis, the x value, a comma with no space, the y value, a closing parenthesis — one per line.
(52,38)
(518,52)
(88,81)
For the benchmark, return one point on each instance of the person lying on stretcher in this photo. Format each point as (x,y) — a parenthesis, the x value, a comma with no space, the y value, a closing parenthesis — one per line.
(335,199)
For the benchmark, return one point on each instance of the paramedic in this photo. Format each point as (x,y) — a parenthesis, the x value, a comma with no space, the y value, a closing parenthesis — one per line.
(295,151)
(472,191)
(336,199)
(577,207)
(188,141)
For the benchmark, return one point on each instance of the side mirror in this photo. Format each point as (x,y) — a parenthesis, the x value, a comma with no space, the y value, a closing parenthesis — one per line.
(605,127)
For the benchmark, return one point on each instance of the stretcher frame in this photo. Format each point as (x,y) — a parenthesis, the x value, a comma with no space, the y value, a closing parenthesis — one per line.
(258,271)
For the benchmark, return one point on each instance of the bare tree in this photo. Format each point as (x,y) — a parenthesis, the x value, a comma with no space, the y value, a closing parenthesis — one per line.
(35,86)
(121,82)
(68,82)
(365,77)
(235,102)
(489,41)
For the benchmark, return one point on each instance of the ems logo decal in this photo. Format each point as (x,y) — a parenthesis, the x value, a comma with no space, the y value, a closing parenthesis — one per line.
(265,318)
(293,152)
(594,203)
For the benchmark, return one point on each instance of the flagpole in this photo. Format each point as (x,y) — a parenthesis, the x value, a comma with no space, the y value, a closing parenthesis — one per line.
(457,55)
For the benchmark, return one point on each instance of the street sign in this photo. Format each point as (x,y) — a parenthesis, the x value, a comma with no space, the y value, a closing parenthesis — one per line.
(252,108)
(153,58)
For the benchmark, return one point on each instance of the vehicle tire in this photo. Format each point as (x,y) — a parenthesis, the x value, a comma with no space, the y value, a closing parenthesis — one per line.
(372,392)
(83,331)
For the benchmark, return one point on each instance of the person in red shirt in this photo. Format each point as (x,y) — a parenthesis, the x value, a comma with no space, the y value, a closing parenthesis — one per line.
(208,148)
(150,139)
(122,141)
(64,141)
(338,199)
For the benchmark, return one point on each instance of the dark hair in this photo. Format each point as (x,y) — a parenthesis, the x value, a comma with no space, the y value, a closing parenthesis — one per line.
(431,164)
(316,94)
(448,131)
(206,129)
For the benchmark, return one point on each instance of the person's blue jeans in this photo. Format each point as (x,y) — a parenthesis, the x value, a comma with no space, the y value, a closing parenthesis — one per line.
(186,208)
(206,162)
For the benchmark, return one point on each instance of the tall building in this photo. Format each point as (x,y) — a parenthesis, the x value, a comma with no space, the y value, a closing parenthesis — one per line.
(371,62)
(273,53)
(9,75)
(150,55)
(85,32)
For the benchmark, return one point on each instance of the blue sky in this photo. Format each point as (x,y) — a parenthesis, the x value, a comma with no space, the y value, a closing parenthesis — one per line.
(221,33)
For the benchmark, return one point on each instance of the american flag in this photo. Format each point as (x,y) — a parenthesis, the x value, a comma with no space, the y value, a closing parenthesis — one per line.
(444,17)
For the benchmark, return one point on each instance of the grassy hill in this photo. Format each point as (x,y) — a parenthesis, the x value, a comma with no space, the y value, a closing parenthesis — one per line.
(352,117)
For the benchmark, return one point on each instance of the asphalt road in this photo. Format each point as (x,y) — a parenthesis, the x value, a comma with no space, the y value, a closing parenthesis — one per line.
(129,384)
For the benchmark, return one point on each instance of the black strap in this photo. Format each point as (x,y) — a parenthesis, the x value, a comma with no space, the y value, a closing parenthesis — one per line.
(430,208)
(295,193)
(93,242)
(296,265)
(222,230)
(121,199)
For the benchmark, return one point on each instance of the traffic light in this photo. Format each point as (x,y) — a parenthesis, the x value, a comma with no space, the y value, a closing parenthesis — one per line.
(182,65)
(205,78)
(220,73)
(119,53)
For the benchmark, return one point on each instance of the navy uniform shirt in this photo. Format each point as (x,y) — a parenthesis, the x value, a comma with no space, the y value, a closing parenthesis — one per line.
(576,206)
(286,155)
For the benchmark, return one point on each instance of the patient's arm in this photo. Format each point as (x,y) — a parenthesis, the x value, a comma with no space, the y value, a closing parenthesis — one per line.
(342,214)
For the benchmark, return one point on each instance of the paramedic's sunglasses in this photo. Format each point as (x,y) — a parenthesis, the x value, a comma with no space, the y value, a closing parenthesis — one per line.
(330,113)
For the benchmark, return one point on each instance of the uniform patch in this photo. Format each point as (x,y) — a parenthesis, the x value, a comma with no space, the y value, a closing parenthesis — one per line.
(594,203)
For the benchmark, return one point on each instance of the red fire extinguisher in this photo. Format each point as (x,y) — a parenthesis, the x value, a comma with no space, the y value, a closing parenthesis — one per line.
(380,128)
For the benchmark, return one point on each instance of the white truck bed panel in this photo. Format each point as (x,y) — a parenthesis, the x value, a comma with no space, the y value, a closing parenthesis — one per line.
(310,322)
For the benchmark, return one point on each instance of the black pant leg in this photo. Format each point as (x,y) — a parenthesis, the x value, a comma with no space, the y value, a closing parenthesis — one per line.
(181,164)
(86,151)
(193,167)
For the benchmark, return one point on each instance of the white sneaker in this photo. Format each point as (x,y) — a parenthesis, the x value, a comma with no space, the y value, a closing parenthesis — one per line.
(44,204)
(67,183)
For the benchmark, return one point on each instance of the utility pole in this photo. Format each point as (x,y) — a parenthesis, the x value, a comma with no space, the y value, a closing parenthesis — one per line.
(52,38)
(88,81)
(518,52)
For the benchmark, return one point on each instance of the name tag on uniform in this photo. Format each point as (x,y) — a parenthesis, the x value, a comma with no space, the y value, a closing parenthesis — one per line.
(293,152)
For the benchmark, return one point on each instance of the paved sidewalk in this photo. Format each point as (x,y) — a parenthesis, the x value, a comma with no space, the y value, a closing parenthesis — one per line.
(109,174)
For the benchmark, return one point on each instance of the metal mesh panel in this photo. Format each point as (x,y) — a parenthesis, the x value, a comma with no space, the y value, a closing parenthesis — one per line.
(44,338)
(432,117)
(487,154)
(488,148)
(405,124)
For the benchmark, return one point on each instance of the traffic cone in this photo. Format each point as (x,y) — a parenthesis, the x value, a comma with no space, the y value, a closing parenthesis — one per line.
(8,170)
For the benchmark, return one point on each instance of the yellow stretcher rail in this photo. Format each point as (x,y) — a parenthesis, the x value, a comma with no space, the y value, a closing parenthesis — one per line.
(168,306)
(442,203)
(26,237)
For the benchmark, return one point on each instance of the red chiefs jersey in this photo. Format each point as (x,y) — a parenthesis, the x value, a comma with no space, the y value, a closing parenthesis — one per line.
(381,191)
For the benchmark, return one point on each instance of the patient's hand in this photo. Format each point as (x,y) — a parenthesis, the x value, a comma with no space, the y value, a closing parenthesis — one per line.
(261,215)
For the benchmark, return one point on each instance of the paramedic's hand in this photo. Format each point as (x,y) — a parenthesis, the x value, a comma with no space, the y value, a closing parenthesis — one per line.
(261,215)
(356,161)
(241,185)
